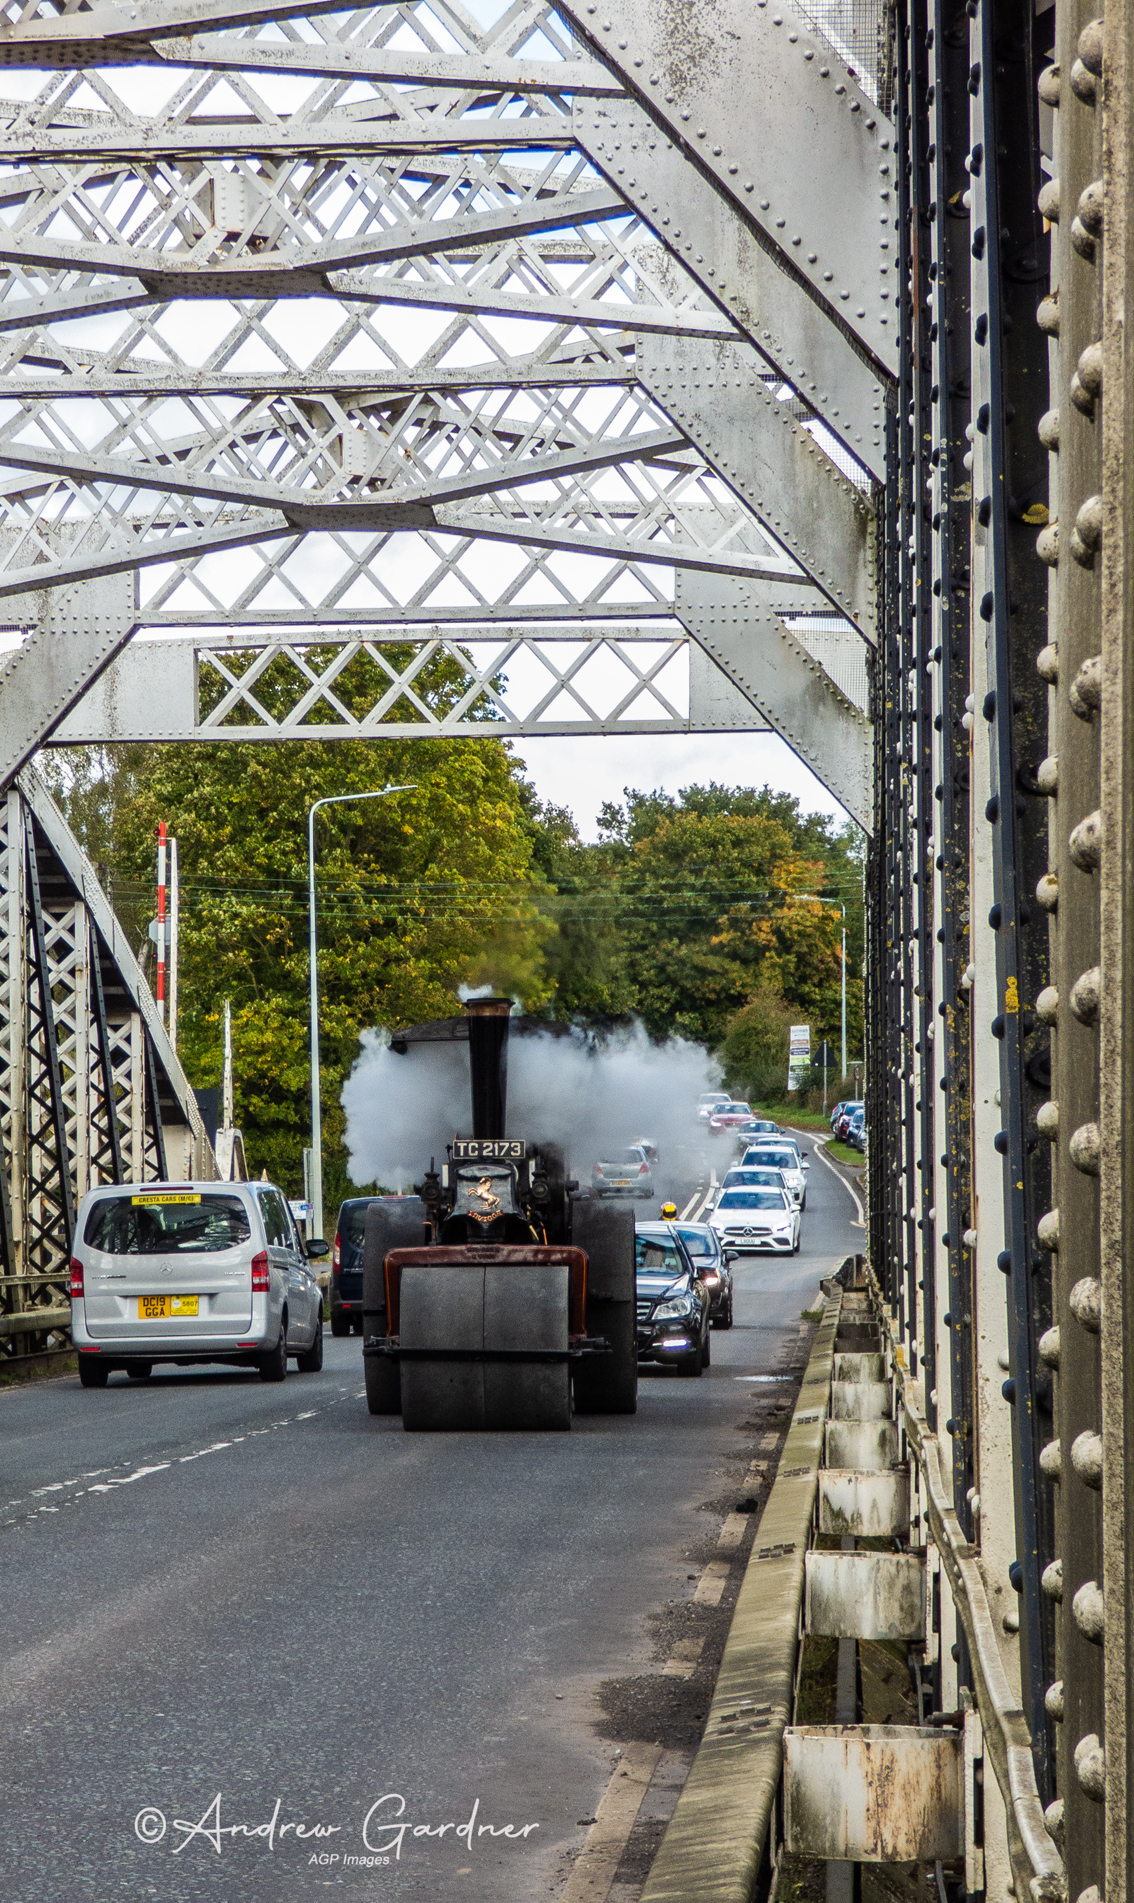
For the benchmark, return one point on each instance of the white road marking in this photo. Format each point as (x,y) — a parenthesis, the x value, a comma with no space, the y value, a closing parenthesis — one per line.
(684,1216)
(114,1481)
(591,1879)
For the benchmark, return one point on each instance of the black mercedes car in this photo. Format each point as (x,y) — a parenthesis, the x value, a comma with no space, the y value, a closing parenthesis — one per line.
(714,1267)
(673,1301)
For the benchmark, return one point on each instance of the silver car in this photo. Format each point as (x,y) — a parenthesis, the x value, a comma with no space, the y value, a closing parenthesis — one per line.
(192,1272)
(628,1173)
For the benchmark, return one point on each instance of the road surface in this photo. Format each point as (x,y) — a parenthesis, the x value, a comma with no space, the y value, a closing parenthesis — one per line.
(232,1603)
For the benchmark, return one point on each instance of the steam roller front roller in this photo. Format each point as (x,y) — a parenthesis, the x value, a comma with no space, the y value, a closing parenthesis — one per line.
(607,1384)
(485,1346)
(394,1223)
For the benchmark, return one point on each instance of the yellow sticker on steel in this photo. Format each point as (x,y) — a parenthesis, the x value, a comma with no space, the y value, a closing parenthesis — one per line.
(148,1202)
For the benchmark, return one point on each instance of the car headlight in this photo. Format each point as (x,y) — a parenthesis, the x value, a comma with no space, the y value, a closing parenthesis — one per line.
(679,1307)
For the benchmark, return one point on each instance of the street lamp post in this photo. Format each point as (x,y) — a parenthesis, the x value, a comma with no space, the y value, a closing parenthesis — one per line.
(333,799)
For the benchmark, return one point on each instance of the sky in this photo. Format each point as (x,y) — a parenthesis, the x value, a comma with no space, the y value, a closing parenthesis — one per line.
(580,772)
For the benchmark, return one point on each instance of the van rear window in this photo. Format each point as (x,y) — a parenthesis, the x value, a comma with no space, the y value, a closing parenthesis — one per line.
(128,1225)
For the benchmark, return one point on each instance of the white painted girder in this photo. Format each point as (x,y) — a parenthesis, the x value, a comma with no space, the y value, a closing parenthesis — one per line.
(741,626)
(767,110)
(734,266)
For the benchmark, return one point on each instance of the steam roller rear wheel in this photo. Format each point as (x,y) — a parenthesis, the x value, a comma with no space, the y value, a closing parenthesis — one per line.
(509,1308)
(607,1384)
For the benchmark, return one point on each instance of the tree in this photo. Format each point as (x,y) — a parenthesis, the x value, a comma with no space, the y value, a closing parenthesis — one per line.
(417,894)
(754,1049)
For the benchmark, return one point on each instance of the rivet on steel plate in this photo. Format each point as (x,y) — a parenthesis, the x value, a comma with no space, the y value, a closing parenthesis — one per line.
(1047,1005)
(1051,1580)
(1047,1231)
(1047,775)
(1090,1758)
(1083,83)
(1053,1818)
(1047,316)
(1053,1701)
(1047,85)
(1048,201)
(1047,663)
(1087,1458)
(1085,692)
(1085,846)
(1090,369)
(1051,1461)
(1085,1302)
(1047,1119)
(1091,47)
(1047,541)
(1089,1613)
(1085,996)
(1049,1347)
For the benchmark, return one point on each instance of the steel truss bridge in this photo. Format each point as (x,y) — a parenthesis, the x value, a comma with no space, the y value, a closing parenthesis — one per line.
(719,367)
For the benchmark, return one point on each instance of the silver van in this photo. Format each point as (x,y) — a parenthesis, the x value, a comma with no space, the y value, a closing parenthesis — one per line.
(192,1272)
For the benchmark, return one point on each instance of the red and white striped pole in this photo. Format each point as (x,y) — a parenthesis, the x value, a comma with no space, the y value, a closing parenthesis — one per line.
(161,921)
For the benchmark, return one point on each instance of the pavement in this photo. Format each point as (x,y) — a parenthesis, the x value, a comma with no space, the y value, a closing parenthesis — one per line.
(245,1619)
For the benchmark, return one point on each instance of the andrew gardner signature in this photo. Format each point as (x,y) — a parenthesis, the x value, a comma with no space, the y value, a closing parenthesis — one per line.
(385,1829)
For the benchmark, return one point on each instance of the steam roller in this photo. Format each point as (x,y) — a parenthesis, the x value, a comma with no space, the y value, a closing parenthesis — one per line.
(494,1297)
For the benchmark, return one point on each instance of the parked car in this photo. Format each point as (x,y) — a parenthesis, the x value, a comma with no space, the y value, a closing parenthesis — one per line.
(846,1117)
(855,1138)
(346,1262)
(673,1301)
(708,1101)
(728,1116)
(838,1111)
(629,1174)
(753,1219)
(780,1155)
(192,1272)
(714,1267)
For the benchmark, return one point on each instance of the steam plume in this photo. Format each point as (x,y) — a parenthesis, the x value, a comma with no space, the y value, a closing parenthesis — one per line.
(589,1097)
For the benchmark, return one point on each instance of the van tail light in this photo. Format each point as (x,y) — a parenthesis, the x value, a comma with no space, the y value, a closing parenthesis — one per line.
(76,1277)
(261,1281)
(336,1254)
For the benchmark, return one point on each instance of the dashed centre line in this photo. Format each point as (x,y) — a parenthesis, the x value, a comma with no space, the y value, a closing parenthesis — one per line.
(36,1502)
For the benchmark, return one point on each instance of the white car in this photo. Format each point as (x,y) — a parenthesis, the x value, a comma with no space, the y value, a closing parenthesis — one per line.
(751,1219)
(741,1178)
(192,1272)
(778,1153)
(711,1100)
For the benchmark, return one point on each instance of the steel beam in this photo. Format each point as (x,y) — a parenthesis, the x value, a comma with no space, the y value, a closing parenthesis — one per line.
(723,252)
(764,106)
(74,635)
(742,627)
(567,680)
(719,397)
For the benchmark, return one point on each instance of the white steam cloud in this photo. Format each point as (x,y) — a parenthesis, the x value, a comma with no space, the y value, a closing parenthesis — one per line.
(401,1110)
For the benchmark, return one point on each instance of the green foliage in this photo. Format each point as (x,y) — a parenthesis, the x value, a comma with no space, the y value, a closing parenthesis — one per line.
(755,1048)
(417,894)
(690,907)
